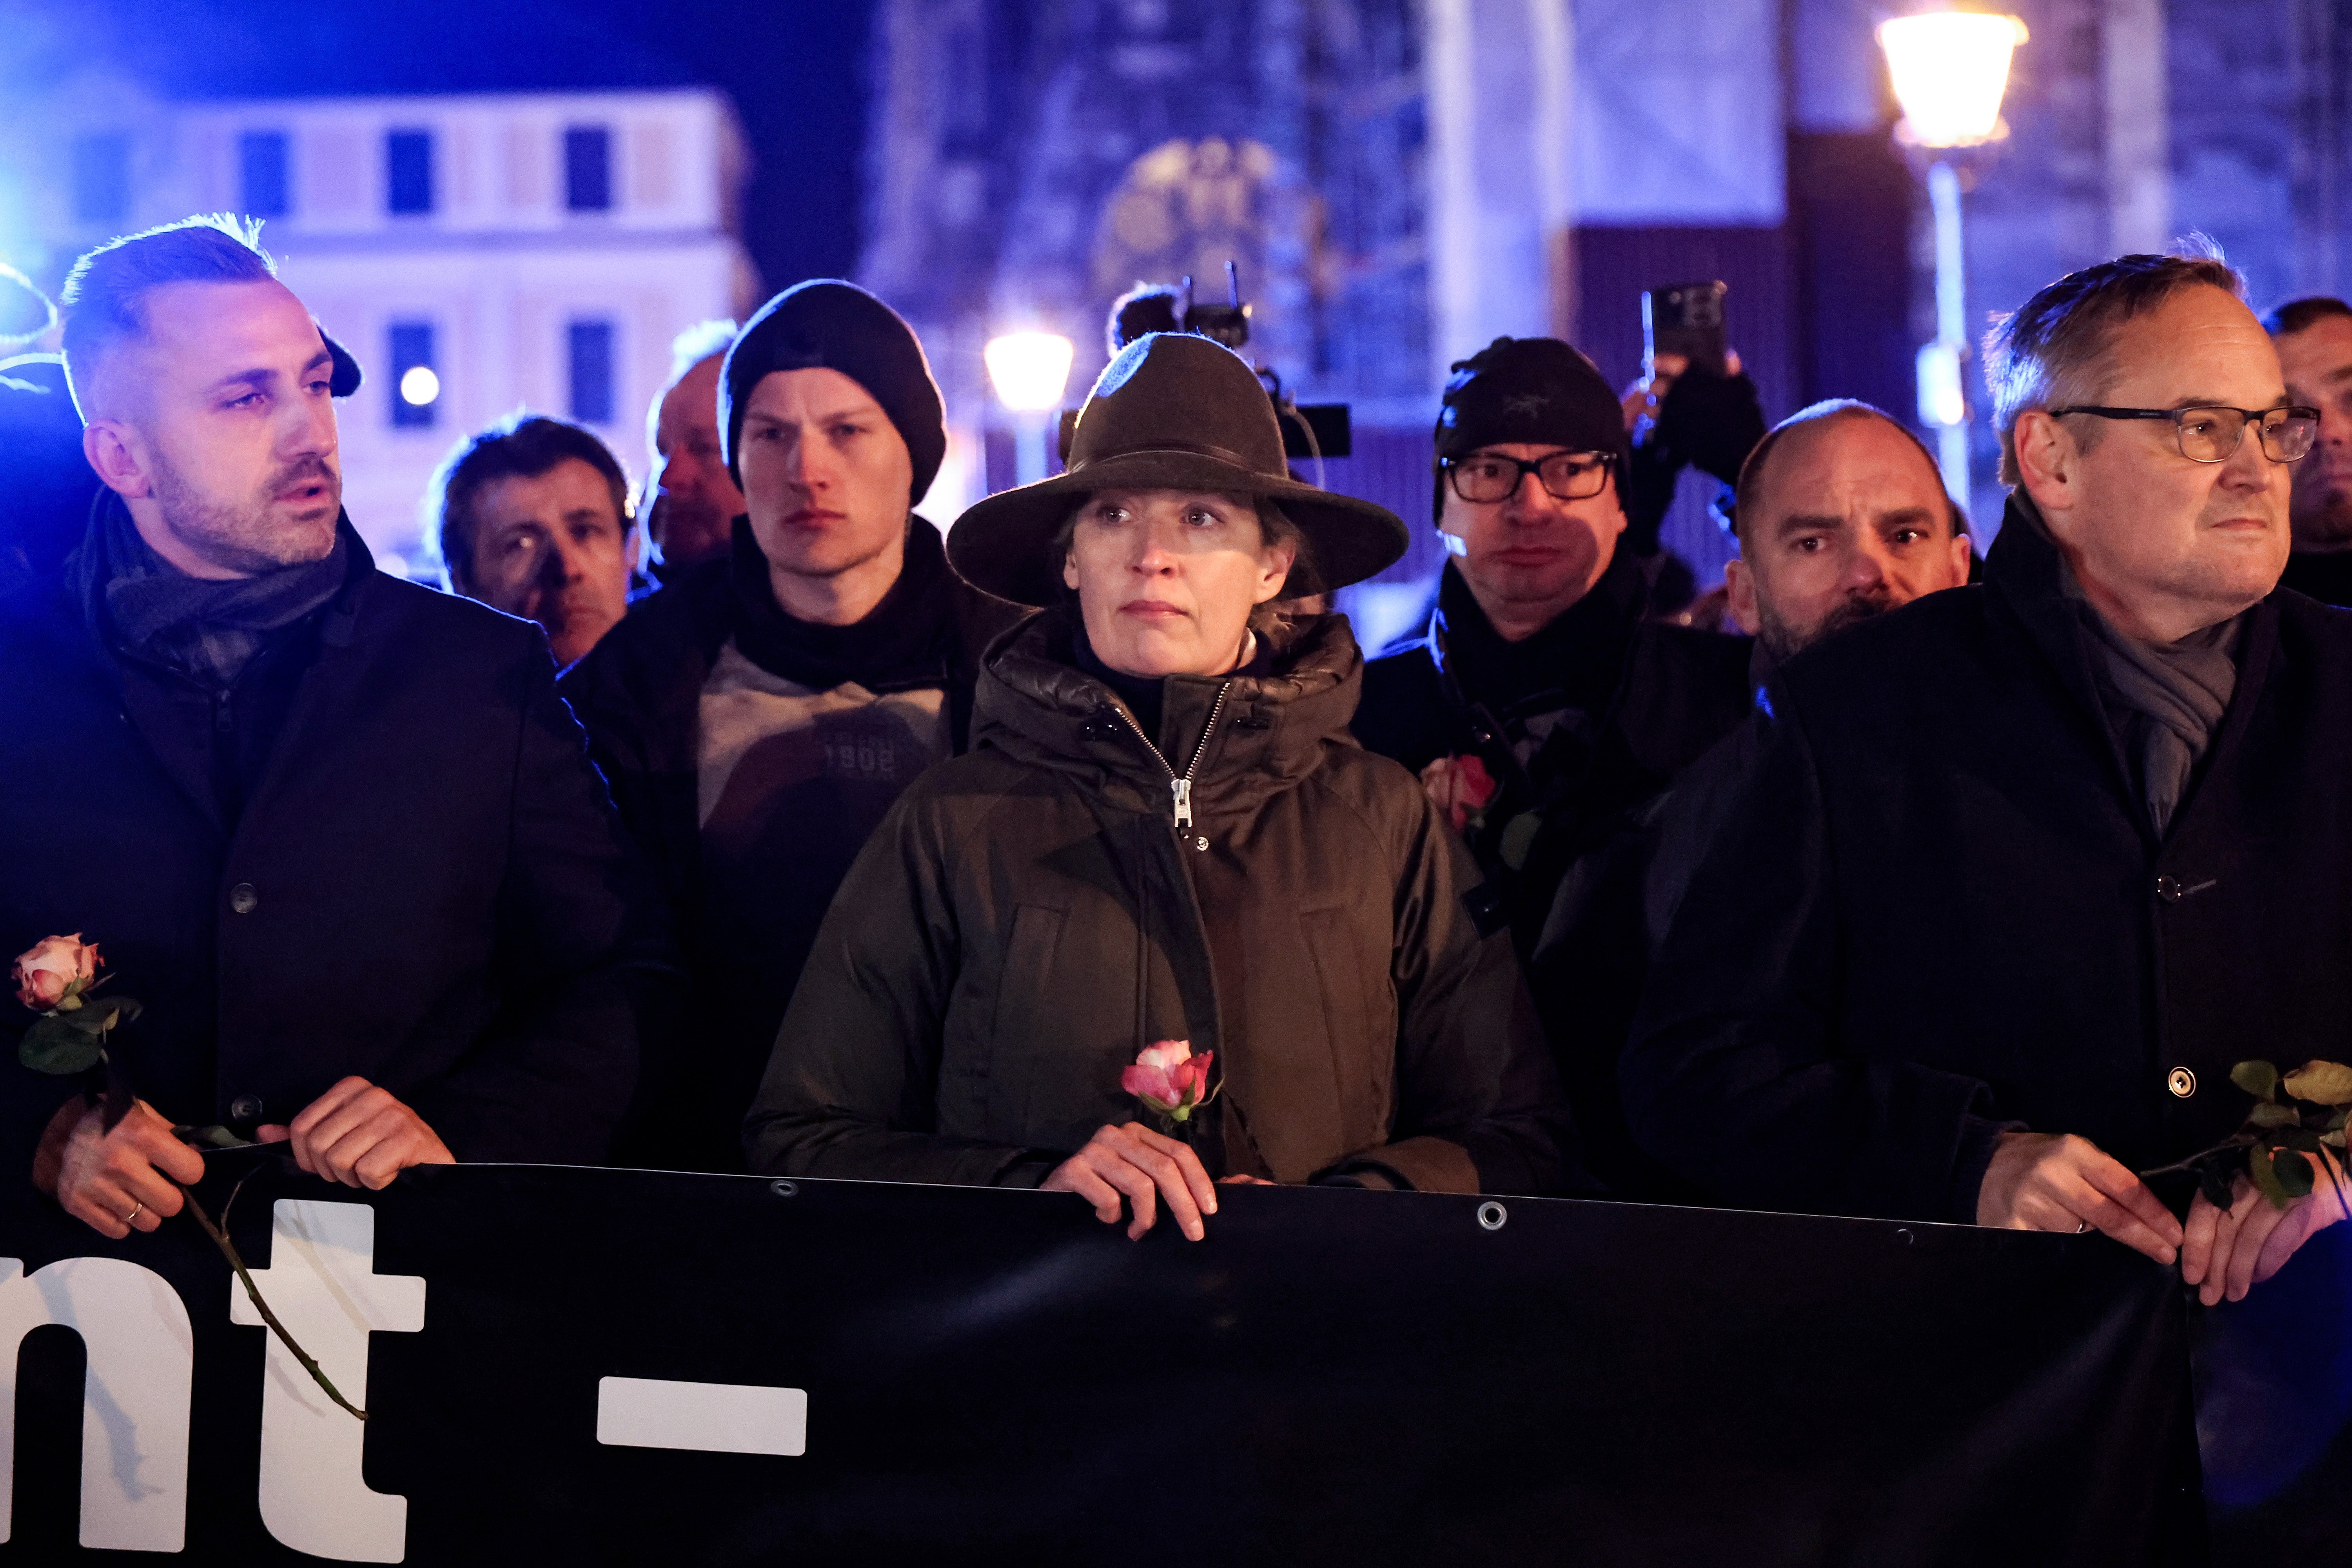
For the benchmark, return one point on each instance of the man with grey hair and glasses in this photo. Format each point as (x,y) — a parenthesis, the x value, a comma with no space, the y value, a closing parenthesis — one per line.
(2021,870)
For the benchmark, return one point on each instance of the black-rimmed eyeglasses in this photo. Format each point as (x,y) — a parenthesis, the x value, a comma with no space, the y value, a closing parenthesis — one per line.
(2212,433)
(1486,477)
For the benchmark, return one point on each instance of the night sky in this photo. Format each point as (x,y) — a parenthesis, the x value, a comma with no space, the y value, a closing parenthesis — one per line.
(796,72)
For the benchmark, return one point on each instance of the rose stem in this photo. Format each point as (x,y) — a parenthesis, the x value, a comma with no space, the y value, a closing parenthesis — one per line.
(228,1250)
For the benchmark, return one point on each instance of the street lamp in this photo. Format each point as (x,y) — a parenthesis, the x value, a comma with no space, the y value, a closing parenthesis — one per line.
(1030,372)
(1949,69)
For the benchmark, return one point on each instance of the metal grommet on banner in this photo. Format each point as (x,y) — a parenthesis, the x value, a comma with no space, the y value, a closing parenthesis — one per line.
(1492,1215)
(784,1188)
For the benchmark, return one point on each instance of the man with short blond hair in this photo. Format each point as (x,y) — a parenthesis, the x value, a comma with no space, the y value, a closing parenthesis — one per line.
(335,830)
(2021,872)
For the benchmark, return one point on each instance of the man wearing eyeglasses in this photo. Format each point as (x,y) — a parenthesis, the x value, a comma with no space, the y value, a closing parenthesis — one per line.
(1541,674)
(2314,348)
(2021,872)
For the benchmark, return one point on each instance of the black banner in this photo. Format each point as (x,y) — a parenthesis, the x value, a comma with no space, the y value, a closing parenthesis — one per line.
(559,1359)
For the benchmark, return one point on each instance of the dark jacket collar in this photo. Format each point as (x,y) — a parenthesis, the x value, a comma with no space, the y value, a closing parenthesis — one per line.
(1036,705)
(908,639)
(1577,658)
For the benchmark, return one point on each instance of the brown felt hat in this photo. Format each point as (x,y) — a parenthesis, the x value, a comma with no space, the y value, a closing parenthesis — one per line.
(1173,412)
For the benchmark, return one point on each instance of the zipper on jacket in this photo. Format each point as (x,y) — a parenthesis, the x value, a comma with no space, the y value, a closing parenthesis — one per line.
(1180,785)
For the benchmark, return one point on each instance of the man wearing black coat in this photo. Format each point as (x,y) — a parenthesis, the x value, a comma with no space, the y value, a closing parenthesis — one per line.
(2315,346)
(758,716)
(2023,869)
(1541,670)
(335,832)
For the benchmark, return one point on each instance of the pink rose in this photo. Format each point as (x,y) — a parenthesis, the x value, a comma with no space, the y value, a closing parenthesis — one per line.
(1169,1079)
(1460,788)
(57,969)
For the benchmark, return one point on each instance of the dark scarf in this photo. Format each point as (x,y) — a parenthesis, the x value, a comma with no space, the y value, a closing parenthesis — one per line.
(1573,662)
(2164,700)
(910,639)
(206,629)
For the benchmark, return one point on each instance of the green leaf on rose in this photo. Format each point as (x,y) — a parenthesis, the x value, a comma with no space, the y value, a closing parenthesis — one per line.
(2265,1176)
(2294,1172)
(58,1045)
(2257,1079)
(2270,1113)
(2322,1083)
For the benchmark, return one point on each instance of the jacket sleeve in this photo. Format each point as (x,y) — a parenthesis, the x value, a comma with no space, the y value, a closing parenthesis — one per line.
(581,950)
(1735,1075)
(852,1088)
(1479,1107)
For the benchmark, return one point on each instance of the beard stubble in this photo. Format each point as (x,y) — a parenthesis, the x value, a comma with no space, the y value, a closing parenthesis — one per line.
(255,534)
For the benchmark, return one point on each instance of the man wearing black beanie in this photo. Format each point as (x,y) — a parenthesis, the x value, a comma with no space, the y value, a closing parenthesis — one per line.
(1544,710)
(758,716)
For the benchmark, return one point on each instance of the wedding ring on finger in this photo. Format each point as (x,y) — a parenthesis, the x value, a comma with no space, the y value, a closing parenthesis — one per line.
(2081,1225)
(137,1207)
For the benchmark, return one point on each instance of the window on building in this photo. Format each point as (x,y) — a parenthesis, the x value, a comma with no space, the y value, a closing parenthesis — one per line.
(415,379)
(101,178)
(592,372)
(588,169)
(261,161)
(408,171)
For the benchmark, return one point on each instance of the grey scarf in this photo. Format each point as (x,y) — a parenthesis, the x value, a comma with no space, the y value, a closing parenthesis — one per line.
(207,629)
(2165,700)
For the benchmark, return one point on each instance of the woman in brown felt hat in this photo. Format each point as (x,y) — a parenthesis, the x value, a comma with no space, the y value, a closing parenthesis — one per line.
(1164,832)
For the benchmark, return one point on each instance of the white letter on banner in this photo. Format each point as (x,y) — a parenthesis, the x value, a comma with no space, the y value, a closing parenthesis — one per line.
(321,1282)
(707,1417)
(135,1411)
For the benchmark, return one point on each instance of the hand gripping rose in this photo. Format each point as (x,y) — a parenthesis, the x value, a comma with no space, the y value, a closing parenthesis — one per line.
(1170,1080)
(120,1135)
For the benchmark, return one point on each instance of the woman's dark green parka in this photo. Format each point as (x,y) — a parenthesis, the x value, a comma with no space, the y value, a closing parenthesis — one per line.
(1031,915)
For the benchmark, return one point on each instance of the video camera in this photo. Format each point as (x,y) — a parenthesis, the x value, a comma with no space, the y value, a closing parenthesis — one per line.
(1309,430)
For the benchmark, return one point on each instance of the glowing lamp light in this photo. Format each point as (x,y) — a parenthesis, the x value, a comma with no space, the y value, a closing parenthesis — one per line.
(1943,395)
(1950,69)
(419,385)
(1029,370)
